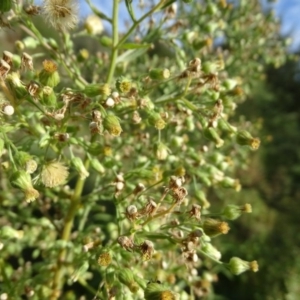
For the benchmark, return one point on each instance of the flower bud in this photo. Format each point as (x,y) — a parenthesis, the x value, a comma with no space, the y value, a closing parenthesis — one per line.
(211,251)
(159,74)
(213,67)
(97,165)
(97,89)
(228,182)
(232,212)
(80,168)
(49,75)
(156,120)
(127,278)
(200,196)
(104,259)
(213,227)
(123,85)
(31,166)
(161,151)
(156,291)
(93,25)
(238,266)
(16,86)
(106,41)
(112,124)
(211,134)
(22,180)
(244,138)
(48,97)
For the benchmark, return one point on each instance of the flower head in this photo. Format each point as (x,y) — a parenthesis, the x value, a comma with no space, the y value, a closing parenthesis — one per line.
(62,14)
(54,174)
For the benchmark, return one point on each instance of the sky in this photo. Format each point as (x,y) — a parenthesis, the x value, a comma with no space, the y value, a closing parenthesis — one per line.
(288,11)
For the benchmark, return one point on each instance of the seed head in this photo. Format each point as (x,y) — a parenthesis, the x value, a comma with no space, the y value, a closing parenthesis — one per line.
(61,14)
(54,173)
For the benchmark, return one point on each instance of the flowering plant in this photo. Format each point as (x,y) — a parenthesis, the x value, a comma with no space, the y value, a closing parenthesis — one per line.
(111,154)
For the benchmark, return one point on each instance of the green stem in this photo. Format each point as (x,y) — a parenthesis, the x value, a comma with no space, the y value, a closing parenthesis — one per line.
(115,36)
(68,224)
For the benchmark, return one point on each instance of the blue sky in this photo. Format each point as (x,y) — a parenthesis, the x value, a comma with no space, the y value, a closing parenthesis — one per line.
(288,11)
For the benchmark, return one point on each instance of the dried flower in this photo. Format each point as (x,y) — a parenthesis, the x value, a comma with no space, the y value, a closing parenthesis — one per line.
(54,173)
(195,212)
(147,249)
(238,266)
(4,68)
(8,57)
(26,61)
(62,14)
(126,242)
(132,212)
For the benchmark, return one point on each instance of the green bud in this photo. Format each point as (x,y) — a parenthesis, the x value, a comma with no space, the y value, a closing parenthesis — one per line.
(244,138)
(156,291)
(5,5)
(49,75)
(123,85)
(96,165)
(232,212)
(21,179)
(161,151)
(30,42)
(16,86)
(156,120)
(229,84)
(225,127)
(97,89)
(211,251)
(213,67)
(127,278)
(211,9)
(214,227)
(238,266)
(201,197)
(48,97)
(228,182)
(211,134)
(106,41)
(110,276)
(52,42)
(159,74)
(112,124)
(19,45)
(79,167)
(83,55)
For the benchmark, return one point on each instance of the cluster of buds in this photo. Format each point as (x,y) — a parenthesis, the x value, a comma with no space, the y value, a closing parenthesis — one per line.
(178,191)
(112,100)
(119,184)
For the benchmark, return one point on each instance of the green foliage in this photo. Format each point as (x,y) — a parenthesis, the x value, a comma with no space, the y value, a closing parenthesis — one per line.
(110,157)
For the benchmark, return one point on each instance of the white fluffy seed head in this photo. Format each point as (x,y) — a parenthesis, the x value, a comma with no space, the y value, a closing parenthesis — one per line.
(8,110)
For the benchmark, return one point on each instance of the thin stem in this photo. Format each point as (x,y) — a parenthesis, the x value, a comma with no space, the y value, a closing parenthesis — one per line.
(68,224)
(115,36)
(136,24)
